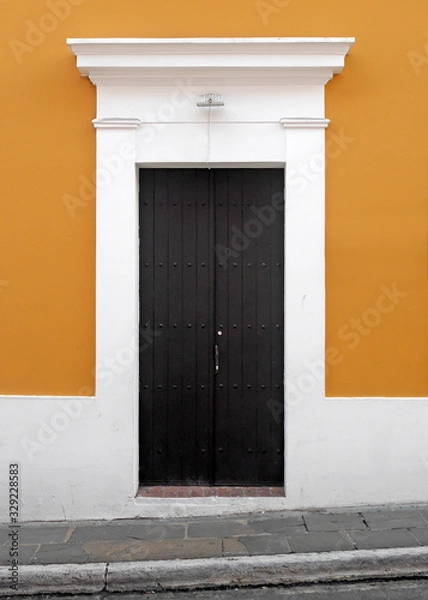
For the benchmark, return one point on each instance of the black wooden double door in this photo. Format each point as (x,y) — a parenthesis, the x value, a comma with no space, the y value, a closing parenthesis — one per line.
(211,326)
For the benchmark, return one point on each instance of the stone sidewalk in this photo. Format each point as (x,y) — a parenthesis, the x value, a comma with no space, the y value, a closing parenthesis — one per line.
(284,533)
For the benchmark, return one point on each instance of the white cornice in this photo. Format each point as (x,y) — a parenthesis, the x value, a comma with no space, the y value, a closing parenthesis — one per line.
(305,122)
(116,123)
(237,60)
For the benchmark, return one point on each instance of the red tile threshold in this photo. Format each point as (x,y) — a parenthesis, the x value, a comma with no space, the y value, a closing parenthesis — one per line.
(199,491)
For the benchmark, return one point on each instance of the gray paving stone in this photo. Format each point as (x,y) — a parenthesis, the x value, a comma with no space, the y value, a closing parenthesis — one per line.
(216,529)
(334,522)
(421,535)
(60,554)
(337,515)
(43,535)
(156,531)
(394,519)
(320,542)
(4,535)
(4,555)
(84,533)
(234,547)
(396,538)
(290,517)
(207,537)
(27,553)
(133,550)
(265,544)
(172,549)
(424,513)
(210,518)
(286,525)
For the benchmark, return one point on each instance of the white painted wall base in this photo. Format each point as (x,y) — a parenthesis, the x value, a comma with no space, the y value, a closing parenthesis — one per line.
(79,456)
(349,452)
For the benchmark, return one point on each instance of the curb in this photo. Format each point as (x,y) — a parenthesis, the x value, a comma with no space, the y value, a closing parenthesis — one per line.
(55,579)
(310,568)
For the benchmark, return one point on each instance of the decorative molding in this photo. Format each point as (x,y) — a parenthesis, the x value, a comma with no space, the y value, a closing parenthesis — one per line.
(211,60)
(305,122)
(116,123)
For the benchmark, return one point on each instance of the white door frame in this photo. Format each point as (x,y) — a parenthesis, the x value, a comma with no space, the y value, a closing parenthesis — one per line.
(273,115)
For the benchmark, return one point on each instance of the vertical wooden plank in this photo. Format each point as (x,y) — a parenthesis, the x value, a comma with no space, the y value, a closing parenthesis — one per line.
(222,449)
(249,312)
(189,325)
(161,418)
(264,350)
(236,425)
(267,299)
(229,291)
(175,265)
(276,401)
(146,347)
(204,299)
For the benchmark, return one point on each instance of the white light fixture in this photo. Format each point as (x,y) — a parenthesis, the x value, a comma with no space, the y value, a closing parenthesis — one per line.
(207,100)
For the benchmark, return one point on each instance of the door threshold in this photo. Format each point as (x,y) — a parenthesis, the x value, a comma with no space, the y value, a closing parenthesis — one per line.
(199,491)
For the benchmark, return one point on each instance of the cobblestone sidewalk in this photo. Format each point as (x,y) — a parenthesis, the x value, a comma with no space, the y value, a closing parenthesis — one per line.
(213,537)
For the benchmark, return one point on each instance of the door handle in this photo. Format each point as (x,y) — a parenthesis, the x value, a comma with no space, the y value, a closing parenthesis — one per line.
(216,359)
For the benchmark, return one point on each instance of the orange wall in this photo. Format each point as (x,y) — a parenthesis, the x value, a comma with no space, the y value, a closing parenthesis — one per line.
(377,182)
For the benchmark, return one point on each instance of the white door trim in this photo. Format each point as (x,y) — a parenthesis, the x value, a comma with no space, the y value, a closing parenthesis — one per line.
(273,114)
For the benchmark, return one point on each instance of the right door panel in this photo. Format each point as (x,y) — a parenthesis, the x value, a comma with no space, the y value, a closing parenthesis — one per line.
(249,326)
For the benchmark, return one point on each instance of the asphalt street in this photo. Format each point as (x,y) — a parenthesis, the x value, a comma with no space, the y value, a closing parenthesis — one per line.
(409,590)
(366,591)
(392,590)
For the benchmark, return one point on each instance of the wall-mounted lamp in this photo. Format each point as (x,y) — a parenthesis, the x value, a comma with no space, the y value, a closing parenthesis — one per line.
(208,100)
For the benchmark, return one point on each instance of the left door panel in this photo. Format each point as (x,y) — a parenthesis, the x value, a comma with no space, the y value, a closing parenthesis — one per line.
(176,297)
